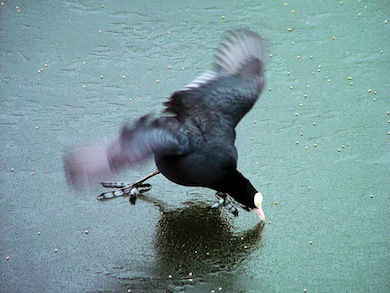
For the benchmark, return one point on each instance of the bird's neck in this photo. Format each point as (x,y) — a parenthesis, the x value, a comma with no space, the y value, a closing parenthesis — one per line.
(240,189)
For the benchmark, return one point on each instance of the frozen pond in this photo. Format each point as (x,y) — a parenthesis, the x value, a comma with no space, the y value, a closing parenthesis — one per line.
(316,145)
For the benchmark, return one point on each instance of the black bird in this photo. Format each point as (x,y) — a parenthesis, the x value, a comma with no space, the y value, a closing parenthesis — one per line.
(193,140)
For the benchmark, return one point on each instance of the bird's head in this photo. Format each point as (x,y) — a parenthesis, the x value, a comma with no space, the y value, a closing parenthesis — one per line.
(255,202)
(258,201)
(242,190)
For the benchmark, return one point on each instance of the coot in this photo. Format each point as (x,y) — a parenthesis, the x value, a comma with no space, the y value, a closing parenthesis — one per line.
(193,140)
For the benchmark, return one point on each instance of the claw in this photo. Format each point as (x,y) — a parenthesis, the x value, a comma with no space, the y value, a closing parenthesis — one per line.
(132,200)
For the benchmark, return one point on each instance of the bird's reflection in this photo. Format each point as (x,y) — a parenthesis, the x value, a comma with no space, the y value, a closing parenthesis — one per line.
(191,243)
(199,240)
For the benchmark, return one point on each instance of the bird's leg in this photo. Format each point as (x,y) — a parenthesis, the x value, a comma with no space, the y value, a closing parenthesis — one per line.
(127,189)
(224,199)
(221,199)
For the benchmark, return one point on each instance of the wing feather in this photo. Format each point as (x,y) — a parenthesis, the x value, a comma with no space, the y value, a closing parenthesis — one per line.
(232,86)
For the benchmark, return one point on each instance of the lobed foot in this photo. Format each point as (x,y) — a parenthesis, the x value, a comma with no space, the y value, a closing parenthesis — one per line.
(123,189)
(225,200)
(126,189)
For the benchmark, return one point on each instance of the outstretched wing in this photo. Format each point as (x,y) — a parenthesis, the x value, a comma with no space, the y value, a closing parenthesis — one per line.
(135,144)
(232,86)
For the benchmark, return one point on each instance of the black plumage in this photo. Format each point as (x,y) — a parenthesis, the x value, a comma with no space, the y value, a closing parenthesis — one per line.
(193,140)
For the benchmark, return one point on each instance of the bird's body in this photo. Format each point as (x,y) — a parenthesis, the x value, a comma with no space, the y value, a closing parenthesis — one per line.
(193,140)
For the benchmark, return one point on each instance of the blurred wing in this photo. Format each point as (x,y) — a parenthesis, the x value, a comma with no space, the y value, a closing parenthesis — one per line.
(232,86)
(240,54)
(135,144)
